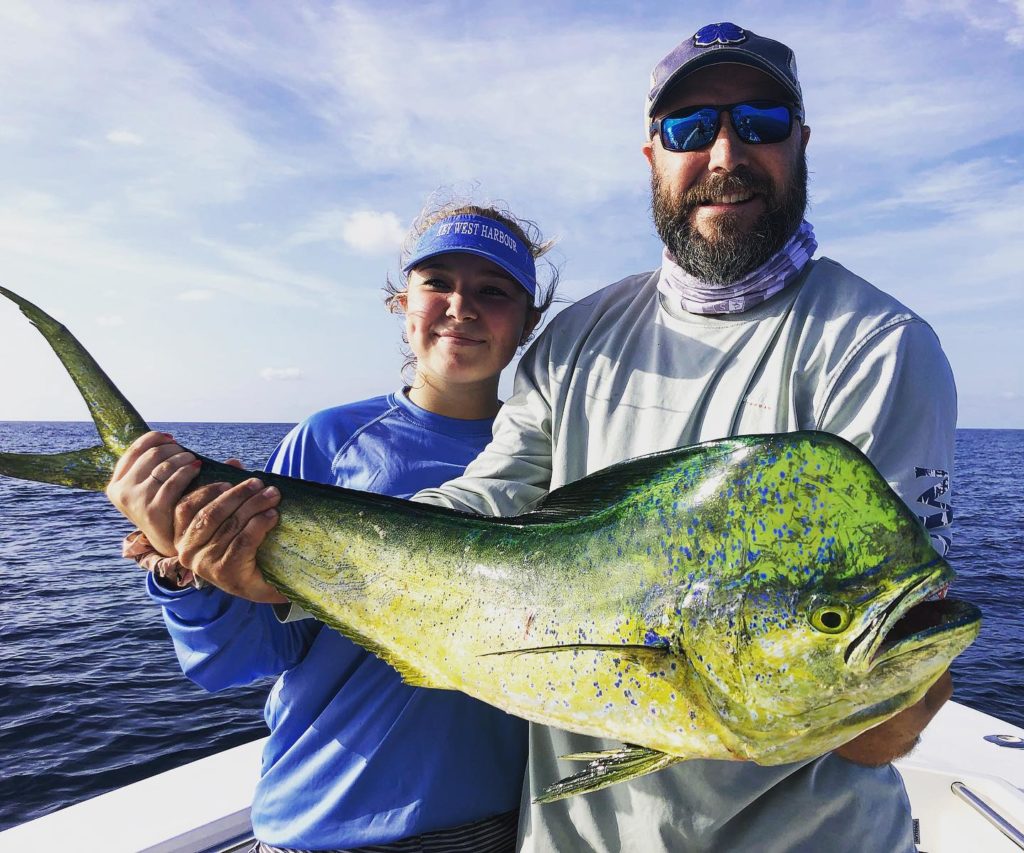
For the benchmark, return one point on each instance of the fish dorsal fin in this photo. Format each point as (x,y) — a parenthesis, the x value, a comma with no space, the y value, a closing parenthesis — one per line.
(617,483)
(607,768)
(651,658)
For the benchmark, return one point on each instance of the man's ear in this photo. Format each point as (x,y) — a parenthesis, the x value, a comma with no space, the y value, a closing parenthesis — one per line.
(648,149)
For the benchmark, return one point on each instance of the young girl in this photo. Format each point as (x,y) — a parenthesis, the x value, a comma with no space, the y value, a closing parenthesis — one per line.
(356,757)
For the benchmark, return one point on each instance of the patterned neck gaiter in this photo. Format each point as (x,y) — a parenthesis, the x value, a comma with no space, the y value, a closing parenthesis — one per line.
(754,288)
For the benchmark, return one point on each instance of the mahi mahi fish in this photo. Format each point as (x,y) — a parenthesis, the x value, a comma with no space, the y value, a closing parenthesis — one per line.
(761,598)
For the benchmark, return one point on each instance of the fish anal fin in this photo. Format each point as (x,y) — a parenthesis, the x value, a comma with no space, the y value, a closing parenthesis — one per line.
(412,677)
(409,674)
(607,768)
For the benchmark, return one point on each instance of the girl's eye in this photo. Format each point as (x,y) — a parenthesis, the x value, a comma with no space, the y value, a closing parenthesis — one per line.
(435,284)
(492,290)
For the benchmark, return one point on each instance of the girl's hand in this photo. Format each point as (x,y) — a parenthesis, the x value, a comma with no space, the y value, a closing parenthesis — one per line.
(148,481)
(218,529)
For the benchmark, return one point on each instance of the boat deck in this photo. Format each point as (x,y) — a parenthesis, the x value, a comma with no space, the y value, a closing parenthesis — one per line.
(211,799)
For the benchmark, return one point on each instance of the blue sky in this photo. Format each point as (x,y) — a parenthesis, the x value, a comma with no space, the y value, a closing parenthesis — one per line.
(210,195)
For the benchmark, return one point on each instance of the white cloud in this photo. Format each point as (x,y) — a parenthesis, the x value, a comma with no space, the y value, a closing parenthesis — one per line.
(372,232)
(42,240)
(367,231)
(196,296)
(124,137)
(74,72)
(1003,17)
(265,274)
(281,374)
(110,320)
(977,185)
(884,105)
(1015,33)
(394,104)
(324,227)
(956,259)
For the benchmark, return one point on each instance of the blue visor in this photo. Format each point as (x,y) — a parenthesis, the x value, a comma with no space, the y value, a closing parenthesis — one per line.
(477,235)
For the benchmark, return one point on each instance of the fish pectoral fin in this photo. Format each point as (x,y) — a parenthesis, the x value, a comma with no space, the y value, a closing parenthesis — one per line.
(650,657)
(596,756)
(607,768)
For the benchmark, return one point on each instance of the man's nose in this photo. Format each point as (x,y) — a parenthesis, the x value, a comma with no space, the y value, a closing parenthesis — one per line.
(727,150)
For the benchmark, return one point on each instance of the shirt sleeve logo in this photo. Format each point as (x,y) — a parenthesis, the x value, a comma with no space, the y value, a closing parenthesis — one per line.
(941,515)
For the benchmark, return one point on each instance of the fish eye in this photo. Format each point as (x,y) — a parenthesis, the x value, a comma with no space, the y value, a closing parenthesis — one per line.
(831,618)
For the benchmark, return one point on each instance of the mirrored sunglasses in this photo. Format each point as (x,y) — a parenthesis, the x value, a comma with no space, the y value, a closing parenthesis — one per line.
(755,123)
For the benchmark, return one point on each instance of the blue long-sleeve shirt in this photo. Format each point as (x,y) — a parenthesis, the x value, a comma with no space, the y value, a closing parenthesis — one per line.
(355,756)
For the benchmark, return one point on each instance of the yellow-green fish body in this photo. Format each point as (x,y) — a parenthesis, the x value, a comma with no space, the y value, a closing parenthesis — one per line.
(678,614)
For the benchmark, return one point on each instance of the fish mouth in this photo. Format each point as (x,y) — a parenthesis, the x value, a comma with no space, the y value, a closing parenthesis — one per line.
(922,624)
(913,620)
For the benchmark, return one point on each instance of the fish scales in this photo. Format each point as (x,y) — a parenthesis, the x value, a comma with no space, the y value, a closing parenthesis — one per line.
(763,597)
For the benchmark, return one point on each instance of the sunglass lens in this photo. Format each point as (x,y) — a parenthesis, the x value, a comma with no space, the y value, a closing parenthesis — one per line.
(761,123)
(689,132)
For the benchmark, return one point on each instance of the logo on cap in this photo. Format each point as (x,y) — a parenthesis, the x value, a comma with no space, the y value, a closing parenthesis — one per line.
(724,33)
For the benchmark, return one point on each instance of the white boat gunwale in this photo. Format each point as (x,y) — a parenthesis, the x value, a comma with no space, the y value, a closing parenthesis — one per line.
(211,798)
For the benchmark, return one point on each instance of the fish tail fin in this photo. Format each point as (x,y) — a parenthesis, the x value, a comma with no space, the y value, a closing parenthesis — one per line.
(81,469)
(607,768)
(116,419)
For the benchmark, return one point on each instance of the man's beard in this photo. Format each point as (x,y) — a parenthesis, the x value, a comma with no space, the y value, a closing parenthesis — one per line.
(734,251)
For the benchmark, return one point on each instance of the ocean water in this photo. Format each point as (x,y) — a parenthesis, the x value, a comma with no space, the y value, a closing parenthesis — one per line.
(91,697)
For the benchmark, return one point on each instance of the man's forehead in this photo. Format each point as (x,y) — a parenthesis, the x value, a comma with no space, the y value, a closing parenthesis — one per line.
(723,82)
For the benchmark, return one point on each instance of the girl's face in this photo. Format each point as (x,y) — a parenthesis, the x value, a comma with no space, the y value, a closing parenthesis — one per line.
(464,318)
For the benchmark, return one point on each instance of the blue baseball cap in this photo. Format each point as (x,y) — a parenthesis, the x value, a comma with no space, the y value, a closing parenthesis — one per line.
(481,236)
(724,42)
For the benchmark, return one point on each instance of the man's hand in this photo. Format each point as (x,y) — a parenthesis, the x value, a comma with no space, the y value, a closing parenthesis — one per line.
(898,735)
(148,481)
(217,531)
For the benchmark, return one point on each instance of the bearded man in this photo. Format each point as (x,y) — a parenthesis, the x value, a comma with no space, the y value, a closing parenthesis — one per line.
(738,332)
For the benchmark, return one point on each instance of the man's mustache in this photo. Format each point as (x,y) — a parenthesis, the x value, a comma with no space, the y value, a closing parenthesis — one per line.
(717,185)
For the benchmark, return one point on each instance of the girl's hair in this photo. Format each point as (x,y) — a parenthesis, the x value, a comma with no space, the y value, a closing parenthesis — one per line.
(440,207)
